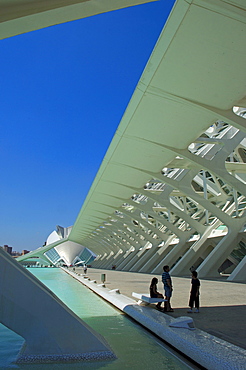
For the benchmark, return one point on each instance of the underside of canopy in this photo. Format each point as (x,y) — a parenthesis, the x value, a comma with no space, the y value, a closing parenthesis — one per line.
(21,16)
(184,98)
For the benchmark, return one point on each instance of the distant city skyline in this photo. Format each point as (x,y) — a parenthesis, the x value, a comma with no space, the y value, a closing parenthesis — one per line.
(64,90)
(12,252)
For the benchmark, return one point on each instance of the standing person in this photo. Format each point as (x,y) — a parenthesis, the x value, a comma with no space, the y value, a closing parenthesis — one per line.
(154,293)
(85,269)
(168,288)
(194,293)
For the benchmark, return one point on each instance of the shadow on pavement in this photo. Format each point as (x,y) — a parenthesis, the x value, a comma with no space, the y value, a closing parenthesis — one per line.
(212,319)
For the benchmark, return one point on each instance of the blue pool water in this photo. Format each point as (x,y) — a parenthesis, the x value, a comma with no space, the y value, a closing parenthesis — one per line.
(134,347)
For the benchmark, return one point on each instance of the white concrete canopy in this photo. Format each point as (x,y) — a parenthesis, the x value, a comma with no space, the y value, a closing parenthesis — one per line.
(189,87)
(175,170)
(20,16)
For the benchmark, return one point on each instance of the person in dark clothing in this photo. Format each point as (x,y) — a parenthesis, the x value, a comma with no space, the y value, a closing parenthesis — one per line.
(154,293)
(168,288)
(194,293)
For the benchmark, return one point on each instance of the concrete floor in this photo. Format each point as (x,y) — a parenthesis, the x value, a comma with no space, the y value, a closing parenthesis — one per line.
(223,304)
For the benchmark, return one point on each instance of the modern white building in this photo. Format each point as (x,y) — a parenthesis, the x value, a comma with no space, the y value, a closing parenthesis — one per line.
(21,294)
(171,188)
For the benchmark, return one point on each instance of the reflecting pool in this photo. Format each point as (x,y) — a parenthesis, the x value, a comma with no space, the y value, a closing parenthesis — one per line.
(134,347)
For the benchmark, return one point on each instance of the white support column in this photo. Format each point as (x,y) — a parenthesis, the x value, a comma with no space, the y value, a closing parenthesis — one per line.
(205,193)
(107,260)
(209,268)
(126,258)
(151,260)
(144,258)
(170,257)
(114,261)
(133,260)
(239,273)
(191,255)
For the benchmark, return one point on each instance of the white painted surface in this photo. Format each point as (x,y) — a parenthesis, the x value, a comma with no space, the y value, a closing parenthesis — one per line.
(17,16)
(51,330)
(207,350)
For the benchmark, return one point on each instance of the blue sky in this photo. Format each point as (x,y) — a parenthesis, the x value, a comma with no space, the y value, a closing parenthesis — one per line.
(63,92)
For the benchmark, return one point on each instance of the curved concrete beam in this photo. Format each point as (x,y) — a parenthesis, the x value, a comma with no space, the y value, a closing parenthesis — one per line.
(20,16)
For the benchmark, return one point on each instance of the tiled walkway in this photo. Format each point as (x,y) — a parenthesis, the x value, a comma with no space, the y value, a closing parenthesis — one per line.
(223,304)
